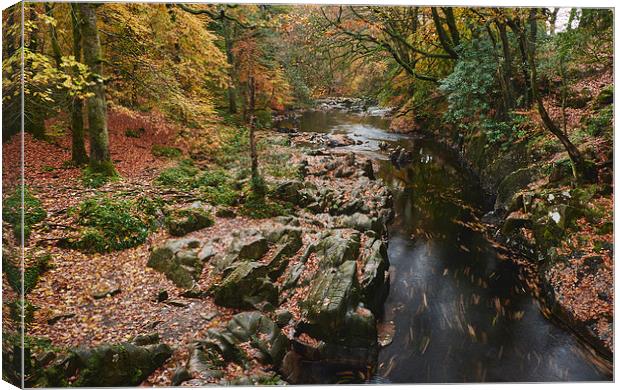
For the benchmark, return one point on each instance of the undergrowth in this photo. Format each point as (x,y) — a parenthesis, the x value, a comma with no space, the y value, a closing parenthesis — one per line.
(12,209)
(109,224)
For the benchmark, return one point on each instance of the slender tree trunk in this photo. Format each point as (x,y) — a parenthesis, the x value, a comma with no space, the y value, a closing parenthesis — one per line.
(78,150)
(251,122)
(97,110)
(230,58)
(552,19)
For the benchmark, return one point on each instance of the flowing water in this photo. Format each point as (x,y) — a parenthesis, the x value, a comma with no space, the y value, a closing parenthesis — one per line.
(459,311)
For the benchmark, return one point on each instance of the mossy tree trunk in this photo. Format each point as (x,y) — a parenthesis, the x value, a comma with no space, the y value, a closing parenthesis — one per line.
(78,150)
(97,110)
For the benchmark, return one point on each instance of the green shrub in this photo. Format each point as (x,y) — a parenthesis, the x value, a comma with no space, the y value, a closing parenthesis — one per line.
(12,210)
(263,118)
(471,87)
(111,224)
(180,176)
(259,207)
(133,133)
(602,122)
(166,151)
(16,310)
(31,274)
(216,186)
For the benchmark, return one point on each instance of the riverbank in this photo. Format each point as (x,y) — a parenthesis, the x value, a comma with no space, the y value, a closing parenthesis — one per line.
(564,228)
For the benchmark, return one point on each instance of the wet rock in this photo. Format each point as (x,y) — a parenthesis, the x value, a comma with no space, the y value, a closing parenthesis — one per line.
(181,260)
(510,185)
(335,248)
(249,246)
(186,220)
(374,281)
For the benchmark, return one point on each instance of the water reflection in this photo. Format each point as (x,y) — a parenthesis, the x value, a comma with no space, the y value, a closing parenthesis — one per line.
(460,311)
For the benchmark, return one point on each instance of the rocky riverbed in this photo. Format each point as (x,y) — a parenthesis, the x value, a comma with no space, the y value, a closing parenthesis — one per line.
(297,296)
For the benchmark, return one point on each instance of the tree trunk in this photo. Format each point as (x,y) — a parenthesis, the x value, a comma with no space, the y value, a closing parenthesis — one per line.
(78,150)
(581,170)
(507,66)
(230,58)
(251,122)
(34,117)
(97,110)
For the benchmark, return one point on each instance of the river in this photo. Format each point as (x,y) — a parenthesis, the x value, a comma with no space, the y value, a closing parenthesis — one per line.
(459,309)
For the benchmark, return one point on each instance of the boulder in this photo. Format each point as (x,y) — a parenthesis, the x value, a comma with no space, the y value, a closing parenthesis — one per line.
(186,220)
(291,191)
(330,296)
(362,223)
(181,260)
(245,286)
(512,184)
(334,249)
(115,365)
(374,280)
(248,245)
(262,333)
(368,169)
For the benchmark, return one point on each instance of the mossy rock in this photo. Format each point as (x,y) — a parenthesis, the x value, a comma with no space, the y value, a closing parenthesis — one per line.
(512,184)
(245,286)
(116,365)
(263,334)
(183,221)
(181,260)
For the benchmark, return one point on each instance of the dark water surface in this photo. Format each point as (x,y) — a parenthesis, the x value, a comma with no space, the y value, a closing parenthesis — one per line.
(460,311)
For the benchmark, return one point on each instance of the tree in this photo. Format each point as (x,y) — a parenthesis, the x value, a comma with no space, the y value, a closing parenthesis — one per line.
(97,109)
(78,150)
(527,39)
